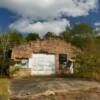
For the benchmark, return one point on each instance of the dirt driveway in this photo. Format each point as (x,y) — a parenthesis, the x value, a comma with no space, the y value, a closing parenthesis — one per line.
(43,88)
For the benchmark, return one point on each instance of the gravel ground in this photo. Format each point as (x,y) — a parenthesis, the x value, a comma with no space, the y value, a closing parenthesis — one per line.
(45,88)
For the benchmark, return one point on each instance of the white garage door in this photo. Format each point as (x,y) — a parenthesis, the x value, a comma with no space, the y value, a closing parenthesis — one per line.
(42,64)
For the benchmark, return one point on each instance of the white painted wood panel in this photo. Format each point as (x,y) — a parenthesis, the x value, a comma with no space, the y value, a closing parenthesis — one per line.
(42,64)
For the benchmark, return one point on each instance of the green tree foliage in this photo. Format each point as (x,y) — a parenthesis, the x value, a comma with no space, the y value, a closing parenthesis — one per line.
(79,42)
(15,38)
(49,34)
(66,35)
(8,40)
(81,33)
(76,40)
(89,60)
(5,61)
(82,29)
(4,66)
(4,44)
(32,36)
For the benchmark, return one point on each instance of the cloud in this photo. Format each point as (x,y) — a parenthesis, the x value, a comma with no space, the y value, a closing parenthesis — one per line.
(97,24)
(48,10)
(56,26)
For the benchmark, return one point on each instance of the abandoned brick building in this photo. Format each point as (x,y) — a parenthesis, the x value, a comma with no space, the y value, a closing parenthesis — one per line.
(50,56)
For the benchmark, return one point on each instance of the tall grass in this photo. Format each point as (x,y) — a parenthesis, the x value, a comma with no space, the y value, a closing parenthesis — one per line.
(4,89)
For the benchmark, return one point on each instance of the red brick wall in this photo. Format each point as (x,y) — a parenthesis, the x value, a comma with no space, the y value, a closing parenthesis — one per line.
(51,45)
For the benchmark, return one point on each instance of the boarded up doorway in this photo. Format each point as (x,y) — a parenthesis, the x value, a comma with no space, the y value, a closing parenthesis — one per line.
(42,64)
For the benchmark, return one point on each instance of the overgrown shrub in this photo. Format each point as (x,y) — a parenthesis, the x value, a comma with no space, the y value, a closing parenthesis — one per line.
(88,62)
(5,66)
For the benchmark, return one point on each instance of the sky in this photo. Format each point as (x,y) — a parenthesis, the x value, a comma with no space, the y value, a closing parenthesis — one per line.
(42,16)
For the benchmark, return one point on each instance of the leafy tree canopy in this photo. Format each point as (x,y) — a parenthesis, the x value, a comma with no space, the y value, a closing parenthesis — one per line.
(32,36)
(49,34)
(16,38)
(66,35)
(82,29)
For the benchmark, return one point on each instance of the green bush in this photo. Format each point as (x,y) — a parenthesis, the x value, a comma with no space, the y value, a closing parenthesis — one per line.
(32,36)
(5,66)
(88,64)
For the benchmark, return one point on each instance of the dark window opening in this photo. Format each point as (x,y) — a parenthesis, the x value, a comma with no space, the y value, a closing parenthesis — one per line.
(62,60)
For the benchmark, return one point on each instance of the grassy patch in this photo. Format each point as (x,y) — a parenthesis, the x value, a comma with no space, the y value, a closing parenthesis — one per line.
(4,89)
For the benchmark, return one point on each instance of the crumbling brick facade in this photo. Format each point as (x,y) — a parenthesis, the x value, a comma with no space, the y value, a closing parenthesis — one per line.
(54,46)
